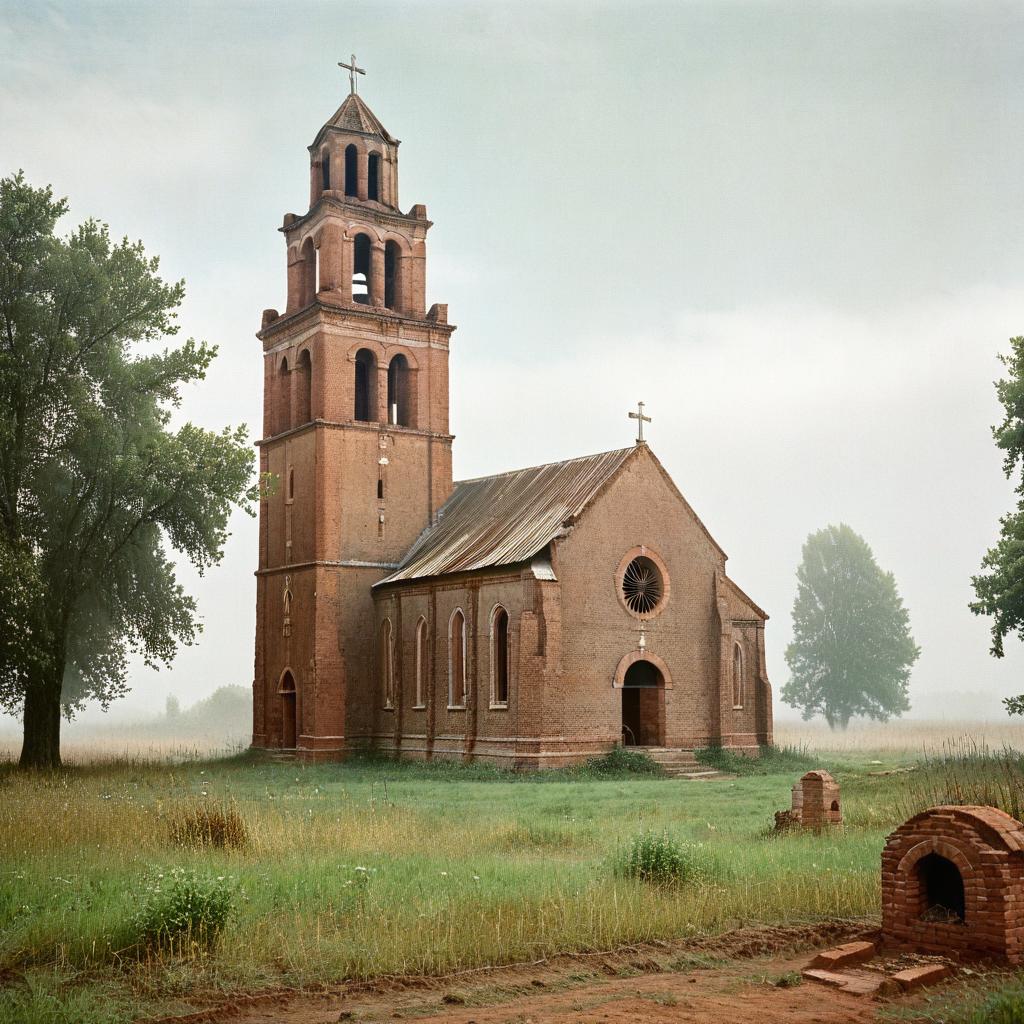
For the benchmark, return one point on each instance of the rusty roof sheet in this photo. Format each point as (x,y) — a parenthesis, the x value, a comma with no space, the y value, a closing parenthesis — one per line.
(508,518)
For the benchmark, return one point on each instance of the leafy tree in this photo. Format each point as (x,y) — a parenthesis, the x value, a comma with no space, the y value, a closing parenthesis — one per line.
(95,485)
(1000,585)
(852,651)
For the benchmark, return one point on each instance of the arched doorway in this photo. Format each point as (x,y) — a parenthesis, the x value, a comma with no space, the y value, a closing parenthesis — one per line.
(643,705)
(288,716)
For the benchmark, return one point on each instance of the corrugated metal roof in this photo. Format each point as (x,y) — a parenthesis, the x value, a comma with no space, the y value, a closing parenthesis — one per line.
(508,518)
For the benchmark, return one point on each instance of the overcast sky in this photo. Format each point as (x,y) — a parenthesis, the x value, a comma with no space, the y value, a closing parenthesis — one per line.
(793,229)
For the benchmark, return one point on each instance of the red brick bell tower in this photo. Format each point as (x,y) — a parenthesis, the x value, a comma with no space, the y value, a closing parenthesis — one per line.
(355,434)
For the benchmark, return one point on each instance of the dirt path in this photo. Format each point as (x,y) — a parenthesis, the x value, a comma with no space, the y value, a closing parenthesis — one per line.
(727,980)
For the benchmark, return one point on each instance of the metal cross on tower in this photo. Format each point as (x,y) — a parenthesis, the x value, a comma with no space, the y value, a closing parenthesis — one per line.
(353,69)
(639,415)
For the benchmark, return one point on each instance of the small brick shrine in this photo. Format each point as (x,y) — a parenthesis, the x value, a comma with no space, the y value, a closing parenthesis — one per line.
(815,803)
(953,881)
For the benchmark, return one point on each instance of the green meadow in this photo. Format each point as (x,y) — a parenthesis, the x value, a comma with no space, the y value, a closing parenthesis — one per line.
(373,868)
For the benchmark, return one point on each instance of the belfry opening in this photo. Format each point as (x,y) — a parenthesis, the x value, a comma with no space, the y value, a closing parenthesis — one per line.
(643,706)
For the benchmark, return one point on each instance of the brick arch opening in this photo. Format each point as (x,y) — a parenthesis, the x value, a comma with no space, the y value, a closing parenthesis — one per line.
(941,888)
(365,388)
(289,717)
(643,705)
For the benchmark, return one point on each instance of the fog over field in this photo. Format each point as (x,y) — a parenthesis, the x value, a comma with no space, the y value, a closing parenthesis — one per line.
(792,229)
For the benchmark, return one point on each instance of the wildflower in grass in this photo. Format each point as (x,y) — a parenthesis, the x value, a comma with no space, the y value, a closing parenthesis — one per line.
(184,908)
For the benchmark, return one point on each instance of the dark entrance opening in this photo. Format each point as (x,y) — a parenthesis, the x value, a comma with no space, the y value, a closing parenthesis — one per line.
(288,718)
(643,706)
(942,889)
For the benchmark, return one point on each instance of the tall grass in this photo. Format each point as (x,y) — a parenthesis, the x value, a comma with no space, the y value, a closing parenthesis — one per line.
(357,870)
(964,772)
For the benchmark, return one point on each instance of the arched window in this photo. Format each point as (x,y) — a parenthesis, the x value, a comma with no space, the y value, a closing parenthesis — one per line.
(398,391)
(737,676)
(373,177)
(361,269)
(392,275)
(351,171)
(304,389)
(309,272)
(325,169)
(385,654)
(421,662)
(283,419)
(366,386)
(499,657)
(457,660)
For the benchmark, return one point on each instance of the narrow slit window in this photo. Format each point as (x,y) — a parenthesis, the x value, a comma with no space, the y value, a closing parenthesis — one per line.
(373,177)
(737,676)
(421,654)
(351,170)
(387,668)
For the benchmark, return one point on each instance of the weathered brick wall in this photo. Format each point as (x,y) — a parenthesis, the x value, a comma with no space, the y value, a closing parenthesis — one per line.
(567,639)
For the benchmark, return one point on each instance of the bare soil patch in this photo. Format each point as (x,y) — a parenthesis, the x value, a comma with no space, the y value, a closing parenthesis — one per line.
(745,975)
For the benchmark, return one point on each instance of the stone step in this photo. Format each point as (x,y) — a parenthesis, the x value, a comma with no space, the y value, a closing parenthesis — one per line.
(688,770)
(682,757)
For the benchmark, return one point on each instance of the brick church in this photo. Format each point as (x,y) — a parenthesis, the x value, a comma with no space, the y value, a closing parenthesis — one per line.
(530,619)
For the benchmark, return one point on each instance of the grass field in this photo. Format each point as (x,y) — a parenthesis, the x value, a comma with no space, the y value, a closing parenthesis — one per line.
(377,868)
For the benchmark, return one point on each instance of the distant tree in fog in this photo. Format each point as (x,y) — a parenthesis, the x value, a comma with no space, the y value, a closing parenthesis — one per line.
(852,651)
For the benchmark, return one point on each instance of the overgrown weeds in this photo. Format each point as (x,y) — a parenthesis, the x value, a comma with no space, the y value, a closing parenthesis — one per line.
(618,763)
(661,859)
(771,760)
(203,825)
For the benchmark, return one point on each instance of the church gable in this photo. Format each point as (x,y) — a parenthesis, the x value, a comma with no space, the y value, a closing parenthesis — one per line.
(646,493)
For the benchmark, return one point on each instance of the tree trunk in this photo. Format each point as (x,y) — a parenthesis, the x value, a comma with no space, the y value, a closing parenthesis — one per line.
(41,740)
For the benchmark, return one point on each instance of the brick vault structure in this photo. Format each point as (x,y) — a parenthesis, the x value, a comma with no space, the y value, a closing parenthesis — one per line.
(533,618)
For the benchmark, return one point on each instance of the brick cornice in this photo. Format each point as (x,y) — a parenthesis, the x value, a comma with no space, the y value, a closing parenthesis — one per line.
(354,311)
(376,428)
(360,209)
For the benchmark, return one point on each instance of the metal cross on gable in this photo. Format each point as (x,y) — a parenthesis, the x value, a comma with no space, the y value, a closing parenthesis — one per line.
(353,69)
(642,419)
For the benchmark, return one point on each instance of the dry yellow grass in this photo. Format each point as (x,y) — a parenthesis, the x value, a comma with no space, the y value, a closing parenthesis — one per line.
(897,736)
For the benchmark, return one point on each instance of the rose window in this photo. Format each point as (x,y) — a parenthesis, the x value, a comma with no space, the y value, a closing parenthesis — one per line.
(642,586)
